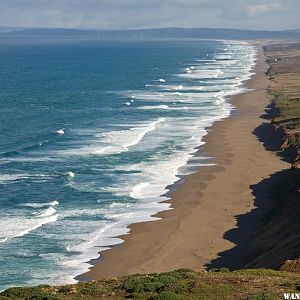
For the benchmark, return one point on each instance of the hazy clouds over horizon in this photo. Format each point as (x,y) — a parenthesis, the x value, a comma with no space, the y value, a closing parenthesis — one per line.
(129,14)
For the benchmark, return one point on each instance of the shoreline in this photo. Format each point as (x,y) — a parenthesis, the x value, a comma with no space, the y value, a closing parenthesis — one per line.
(191,235)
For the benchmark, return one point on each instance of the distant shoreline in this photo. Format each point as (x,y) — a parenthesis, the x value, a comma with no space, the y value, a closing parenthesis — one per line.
(207,203)
(150,33)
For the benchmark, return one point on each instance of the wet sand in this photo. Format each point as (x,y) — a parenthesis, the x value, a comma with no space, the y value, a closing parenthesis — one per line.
(205,206)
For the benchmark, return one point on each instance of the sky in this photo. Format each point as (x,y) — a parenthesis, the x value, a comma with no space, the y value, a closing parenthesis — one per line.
(138,14)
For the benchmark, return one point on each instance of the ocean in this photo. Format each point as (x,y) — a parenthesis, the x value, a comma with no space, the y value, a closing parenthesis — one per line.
(93,136)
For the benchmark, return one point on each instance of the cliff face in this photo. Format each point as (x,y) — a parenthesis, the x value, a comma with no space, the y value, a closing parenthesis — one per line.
(277,241)
(284,74)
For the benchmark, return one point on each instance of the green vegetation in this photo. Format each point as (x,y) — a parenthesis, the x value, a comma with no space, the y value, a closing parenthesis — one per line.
(288,117)
(181,284)
(288,108)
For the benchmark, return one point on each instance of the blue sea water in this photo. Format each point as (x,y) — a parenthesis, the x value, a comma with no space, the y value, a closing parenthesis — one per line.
(92,134)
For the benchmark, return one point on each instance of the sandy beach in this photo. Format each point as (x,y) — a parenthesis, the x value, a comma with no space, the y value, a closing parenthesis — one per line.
(201,229)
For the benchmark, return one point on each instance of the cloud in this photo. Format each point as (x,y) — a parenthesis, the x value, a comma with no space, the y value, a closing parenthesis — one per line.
(120,14)
(262,9)
(239,10)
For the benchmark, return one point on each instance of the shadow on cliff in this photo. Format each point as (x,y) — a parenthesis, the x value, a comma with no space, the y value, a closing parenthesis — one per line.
(248,225)
(273,138)
(270,195)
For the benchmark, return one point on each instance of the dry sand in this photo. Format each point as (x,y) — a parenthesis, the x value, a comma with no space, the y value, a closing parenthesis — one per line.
(207,204)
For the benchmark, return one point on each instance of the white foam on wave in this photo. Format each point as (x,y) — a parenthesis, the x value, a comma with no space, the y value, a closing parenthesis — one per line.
(118,141)
(182,88)
(81,248)
(25,159)
(106,232)
(136,191)
(70,174)
(139,133)
(10,178)
(173,107)
(225,81)
(221,63)
(123,140)
(174,87)
(149,180)
(18,226)
(154,107)
(40,205)
(60,131)
(205,60)
(201,74)
(13,177)
(118,205)
(46,213)
(13,226)
(152,178)
(83,212)
(167,97)
(223,56)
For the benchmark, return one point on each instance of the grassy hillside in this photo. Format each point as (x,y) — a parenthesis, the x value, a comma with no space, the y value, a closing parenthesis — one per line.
(181,284)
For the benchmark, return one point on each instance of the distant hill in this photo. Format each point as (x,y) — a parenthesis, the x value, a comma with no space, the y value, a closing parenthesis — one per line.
(9,29)
(140,34)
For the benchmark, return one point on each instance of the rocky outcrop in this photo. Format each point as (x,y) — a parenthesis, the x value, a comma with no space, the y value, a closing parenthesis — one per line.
(291,266)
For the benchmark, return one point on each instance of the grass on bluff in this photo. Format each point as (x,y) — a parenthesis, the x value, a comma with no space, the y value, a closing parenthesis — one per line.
(260,284)
(287,108)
